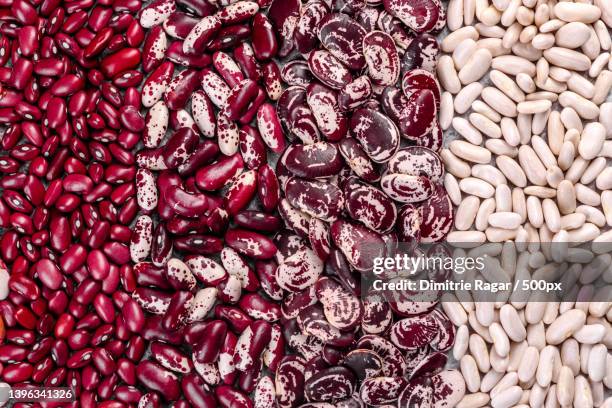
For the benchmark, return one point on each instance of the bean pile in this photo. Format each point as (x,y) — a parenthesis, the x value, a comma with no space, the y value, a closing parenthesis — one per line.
(192,192)
(138,201)
(70,114)
(526,84)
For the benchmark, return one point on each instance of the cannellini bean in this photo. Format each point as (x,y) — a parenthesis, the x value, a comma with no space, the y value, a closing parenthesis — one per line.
(497,100)
(597,362)
(466,213)
(478,349)
(451,185)
(454,14)
(477,187)
(511,323)
(476,400)
(461,342)
(470,373)
(465,129)
(564,326)
(567,58)
(465,98)
(566,197)
(466,239)
(470,152)
(531,164)
(482,217)
(476,66)
(585,108)
(581,86)
(565,386)
(593,170)
(447,74)
(603,82)
(500,339)
(591,140)
(489,174)
(512,170)
(485,125)
(570,355)
(505,220)
(501,148)
(454,164)
(451,41)
(531,182)
(481,107)
(545,365)
(572,35)
(529,364)
(446,110)
(583,398)
(505,84)
(582,12)
(507,398)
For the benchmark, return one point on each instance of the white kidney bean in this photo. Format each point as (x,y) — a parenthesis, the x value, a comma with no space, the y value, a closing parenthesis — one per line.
(564,326)
(583,397)
(565,386)
(497,100)
(470,373)
(475,400)
(465,129)
(529,364)
(508,397)
(528,82)
(476,66)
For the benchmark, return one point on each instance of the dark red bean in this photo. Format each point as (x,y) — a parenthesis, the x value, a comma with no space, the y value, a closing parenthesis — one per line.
(158,379)
(120,61)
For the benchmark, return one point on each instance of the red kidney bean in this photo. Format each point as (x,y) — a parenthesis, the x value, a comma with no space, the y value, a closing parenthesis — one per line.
(131,119)
(25,317)
(120,61)
(208,349)
(67,85)
(21,73)
(158,379)
(107,386)
(126,370)
(196,391)
(228,37)
(17,372)
(267,188)
(265,45)
(12,353)
(49,274)
(104,308)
